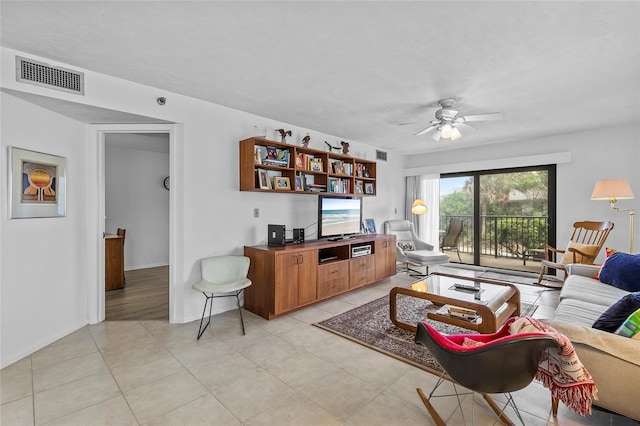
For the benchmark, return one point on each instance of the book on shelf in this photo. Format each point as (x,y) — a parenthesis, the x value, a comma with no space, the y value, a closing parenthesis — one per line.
(340,186)
(276,157)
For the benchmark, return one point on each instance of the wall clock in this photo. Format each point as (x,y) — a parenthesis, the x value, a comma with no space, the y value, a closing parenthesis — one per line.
(166,182)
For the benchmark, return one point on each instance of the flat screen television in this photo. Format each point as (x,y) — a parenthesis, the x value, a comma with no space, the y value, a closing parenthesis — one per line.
(339,217)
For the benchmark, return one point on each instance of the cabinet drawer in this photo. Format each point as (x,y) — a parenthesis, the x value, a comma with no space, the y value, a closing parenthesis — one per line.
(361,278)
(333,279)
(361,264)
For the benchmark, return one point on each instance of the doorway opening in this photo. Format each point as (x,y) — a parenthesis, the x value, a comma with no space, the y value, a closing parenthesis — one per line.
(137,226)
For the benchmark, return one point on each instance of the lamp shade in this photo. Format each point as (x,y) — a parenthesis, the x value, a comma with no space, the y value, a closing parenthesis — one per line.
(455,134)
(419,207)
(608,189)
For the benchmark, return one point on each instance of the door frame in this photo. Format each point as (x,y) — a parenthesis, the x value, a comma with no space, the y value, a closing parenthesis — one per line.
(96,215)
(551,200)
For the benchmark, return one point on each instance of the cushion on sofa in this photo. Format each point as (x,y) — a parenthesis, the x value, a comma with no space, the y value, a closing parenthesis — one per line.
(589,250)
(615,316)
(578,312)
(591,290)
(631,326)
(608,252)
(622,270)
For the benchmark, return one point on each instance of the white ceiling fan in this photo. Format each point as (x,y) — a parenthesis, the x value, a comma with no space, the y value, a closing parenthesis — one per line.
(448,121)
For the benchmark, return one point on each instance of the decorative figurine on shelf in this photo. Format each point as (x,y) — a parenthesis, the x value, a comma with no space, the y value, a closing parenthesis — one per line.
(345,147)
(284,134)
(330,147)
(306,140)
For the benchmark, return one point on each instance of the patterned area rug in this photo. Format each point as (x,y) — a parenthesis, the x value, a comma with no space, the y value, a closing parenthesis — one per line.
(370,326)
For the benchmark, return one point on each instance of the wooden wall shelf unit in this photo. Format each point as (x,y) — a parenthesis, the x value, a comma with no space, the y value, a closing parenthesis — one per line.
(288,278)
(319,171)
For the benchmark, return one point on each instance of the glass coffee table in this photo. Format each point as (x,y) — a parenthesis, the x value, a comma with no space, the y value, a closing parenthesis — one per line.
(492,302)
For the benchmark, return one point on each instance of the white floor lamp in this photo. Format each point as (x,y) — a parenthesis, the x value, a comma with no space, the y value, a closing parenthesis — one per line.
(614,190)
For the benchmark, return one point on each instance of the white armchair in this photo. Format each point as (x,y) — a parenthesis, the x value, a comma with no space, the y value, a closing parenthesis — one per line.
(412,250)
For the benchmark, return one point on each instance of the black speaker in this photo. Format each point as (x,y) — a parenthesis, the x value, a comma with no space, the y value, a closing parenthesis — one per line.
(275,236)
(298,235)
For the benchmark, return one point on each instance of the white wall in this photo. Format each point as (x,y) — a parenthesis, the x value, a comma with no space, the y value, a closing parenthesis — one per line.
(217,217)
(137,201)
(595,154)
(43,285)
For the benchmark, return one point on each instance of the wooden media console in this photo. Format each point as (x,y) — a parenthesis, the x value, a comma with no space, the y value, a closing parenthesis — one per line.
(288,278)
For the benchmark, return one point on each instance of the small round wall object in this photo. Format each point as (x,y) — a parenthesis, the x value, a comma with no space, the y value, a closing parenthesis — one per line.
(166,182)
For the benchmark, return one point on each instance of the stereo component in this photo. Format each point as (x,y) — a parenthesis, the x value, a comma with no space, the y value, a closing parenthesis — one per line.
(363,250)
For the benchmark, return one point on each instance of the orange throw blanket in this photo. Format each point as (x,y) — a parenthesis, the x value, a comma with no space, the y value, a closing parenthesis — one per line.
(560,370)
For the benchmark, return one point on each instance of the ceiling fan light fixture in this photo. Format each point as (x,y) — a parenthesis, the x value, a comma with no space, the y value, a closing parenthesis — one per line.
(436,135)
(446,130)
(455,134)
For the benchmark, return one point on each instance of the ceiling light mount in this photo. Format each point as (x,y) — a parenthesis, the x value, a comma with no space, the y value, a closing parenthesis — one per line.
(161,100)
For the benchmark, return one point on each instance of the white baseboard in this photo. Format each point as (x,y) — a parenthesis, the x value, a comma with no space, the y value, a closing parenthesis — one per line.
(39,345)
(153,265)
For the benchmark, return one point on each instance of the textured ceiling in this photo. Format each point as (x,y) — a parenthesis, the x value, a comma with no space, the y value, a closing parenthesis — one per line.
(358,69)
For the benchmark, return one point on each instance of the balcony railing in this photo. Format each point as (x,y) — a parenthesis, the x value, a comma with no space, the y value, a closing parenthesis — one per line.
(502,236)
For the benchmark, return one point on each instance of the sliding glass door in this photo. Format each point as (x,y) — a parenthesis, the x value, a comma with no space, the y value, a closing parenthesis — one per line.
(506,213)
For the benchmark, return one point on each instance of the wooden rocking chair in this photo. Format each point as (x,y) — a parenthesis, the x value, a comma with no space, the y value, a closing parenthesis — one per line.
(584,245)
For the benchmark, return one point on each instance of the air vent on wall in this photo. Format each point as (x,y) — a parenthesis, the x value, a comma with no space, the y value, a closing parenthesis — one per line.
(381,155)
(40,74)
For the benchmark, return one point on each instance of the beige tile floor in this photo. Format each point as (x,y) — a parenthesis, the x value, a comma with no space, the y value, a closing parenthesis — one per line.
(283,372)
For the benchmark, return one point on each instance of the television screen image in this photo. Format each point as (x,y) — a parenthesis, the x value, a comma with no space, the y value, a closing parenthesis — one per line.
(339,216)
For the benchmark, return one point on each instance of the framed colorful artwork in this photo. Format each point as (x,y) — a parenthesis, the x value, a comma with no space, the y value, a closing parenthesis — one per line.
(37,184)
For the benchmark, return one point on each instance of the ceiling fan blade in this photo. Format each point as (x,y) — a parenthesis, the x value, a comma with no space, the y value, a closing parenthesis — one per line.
(406,124)
(490,116)
(463,125)
(422,132)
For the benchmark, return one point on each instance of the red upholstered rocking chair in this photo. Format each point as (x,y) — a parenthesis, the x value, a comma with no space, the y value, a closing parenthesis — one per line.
(491,363)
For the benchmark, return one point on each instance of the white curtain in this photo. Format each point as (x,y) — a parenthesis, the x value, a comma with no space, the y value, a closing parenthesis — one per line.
(413,192)
(427,188)
(430,221)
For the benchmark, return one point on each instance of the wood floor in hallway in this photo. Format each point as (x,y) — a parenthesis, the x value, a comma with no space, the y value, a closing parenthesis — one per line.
(144,297)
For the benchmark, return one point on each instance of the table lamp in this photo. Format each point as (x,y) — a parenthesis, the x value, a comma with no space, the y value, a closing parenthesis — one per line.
(614,190)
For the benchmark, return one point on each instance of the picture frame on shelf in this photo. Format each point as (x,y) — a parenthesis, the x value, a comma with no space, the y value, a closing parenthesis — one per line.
(299,163)
(315,165)
(281,183)
(37,184)
(369,188)
(263,179)
(370,224)
(338,169)
(299,186)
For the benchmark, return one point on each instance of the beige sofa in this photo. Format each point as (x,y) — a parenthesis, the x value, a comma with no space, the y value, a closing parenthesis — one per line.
(612,360)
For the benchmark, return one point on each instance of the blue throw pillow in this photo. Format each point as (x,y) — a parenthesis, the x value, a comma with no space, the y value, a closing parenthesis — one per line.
(617,313)
(622,270)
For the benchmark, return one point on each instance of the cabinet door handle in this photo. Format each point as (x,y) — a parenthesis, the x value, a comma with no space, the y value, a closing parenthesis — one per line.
(301,257)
